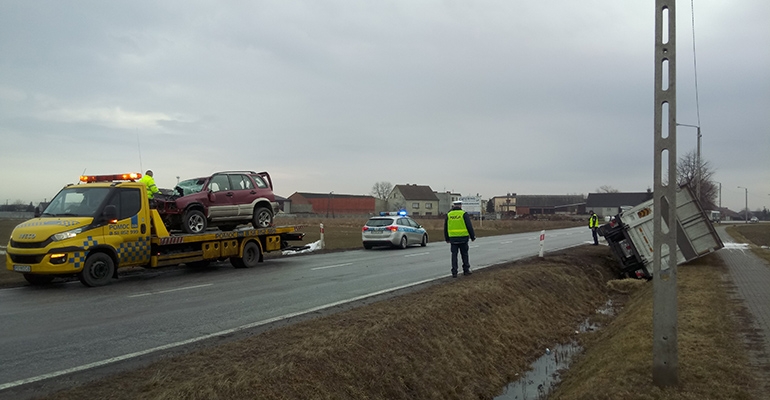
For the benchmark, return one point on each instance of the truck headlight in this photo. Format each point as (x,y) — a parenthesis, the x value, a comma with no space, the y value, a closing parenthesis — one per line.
(66,235)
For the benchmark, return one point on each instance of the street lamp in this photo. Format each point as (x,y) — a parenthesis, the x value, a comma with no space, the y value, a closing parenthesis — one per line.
(697,161)
(747,202)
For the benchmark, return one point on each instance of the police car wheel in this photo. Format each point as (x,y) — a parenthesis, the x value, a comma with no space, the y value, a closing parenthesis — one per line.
(194,222)
(98,270)
(367,246)
(424,240)
(403,243)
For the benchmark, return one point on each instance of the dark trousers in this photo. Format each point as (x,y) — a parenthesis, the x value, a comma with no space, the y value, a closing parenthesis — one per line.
(462,247)
(596,237)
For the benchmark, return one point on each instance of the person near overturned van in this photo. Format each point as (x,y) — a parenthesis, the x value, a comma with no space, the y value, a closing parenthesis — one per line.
(457,231)
(593,224)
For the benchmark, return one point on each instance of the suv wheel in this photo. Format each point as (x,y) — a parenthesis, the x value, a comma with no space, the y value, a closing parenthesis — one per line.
(194,221)
(263,218)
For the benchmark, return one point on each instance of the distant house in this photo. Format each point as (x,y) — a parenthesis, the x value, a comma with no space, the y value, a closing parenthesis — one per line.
(332,204)
(504,205)
(610,204)
(550,204)
(445,200)
(415,199)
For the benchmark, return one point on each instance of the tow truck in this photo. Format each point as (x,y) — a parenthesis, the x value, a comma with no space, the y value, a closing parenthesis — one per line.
(106,222)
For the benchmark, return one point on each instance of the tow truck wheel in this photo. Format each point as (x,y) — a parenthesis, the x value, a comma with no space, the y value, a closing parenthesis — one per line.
(37,280)
(98,270)
(263,218)
(194,221)
(251,253)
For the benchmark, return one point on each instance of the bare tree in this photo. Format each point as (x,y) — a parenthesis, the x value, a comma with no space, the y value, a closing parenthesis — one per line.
(607,189)
(382,189)
(688,171)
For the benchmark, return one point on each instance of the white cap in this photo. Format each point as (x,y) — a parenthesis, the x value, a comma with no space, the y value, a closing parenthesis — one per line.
(457,203)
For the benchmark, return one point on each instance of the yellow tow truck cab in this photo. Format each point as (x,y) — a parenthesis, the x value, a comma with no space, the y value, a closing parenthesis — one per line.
(105,222)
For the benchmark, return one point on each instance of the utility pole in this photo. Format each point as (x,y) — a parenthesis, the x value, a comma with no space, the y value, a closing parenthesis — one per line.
(747,203)
(665,347)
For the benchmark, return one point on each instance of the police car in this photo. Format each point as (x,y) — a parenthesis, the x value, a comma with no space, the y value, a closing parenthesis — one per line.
(393,229)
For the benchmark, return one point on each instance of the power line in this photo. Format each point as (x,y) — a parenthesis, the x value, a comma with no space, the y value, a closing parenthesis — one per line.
(694,61)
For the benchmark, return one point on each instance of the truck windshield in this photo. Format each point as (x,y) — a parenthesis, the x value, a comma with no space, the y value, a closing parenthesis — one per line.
(76,201)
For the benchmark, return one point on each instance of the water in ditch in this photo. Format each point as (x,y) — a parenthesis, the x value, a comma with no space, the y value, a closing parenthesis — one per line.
(544,373)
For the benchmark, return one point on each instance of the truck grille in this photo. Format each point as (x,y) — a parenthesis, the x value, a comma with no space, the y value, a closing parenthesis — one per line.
(30,245)
(23,259)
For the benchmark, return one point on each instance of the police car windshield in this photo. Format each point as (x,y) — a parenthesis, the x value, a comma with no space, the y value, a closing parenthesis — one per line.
(79,201)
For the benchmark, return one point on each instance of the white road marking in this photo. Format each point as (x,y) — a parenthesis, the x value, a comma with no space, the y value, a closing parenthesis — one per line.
(417,254)
(331,266)
(507,242)
(170,290)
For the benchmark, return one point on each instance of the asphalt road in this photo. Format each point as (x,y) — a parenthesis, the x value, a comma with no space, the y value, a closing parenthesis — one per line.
(52,331)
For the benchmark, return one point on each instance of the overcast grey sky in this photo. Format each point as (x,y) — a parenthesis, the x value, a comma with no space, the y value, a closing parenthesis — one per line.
(488,97)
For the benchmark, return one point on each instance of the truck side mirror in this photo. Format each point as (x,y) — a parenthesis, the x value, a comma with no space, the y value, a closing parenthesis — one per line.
(110,214)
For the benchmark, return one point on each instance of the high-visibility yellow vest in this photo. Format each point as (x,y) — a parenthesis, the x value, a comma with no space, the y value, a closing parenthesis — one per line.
(456,224)
(150,183)
(593,222)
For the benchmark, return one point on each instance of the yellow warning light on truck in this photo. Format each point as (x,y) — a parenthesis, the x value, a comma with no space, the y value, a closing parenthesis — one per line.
(131,176)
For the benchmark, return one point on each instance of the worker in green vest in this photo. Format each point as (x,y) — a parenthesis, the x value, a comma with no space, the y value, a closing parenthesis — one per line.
(149,181)
(457,231)
(593,224)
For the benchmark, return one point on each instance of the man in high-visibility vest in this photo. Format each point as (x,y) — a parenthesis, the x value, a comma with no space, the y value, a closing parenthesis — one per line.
(593,224)
(149,181)
(457,231)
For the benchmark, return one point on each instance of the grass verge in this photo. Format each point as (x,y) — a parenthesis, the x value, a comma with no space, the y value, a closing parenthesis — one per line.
(756,235)
(713,362)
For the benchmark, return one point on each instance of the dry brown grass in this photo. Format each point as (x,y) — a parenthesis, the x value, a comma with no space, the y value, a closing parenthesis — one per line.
(713,363)
(345,233)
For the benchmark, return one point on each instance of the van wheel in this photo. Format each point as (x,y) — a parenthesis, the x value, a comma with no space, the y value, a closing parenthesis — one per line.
(98,270)
(424,240)
(38,280)
(251,255)
(194,221)
(262,218)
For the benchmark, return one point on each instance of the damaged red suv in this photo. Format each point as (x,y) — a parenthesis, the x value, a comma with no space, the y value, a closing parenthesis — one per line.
(225,199)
